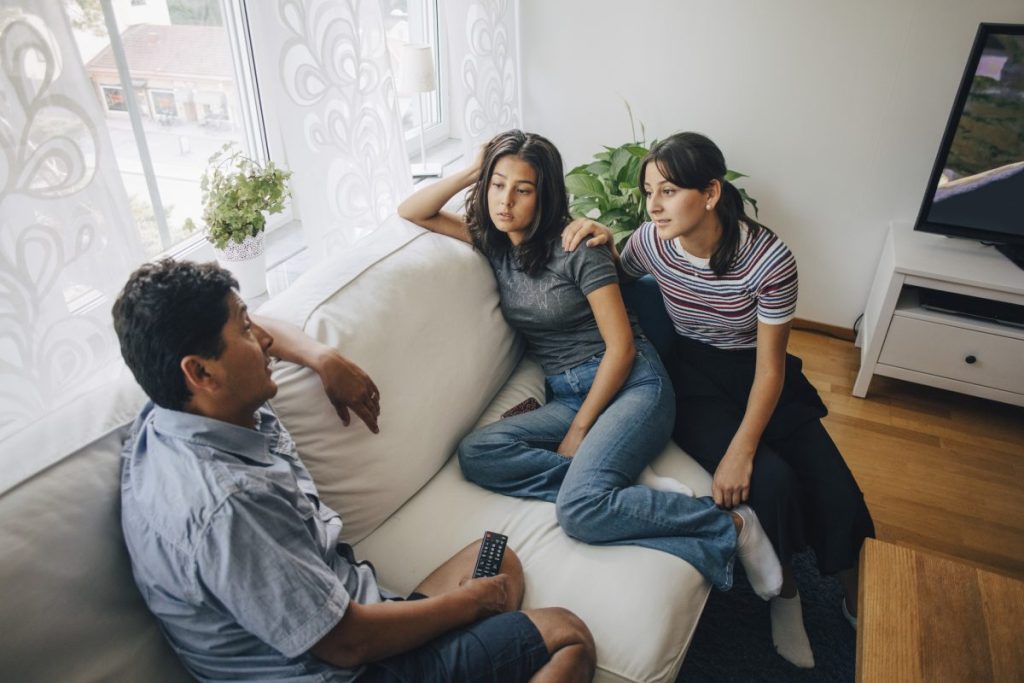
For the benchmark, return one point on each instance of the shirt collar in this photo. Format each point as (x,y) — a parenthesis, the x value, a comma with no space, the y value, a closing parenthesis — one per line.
(249,443)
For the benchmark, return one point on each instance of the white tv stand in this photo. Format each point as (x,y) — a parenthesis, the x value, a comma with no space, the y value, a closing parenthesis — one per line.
(902,340)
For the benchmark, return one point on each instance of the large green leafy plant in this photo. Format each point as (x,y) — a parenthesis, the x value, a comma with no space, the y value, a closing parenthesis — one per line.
(607,189)
(238,194)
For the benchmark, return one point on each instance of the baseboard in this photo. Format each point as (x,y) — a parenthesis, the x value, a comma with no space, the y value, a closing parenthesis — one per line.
(844,333)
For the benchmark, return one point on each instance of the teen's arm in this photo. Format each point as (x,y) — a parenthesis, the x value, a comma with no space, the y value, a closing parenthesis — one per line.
(595,234)
(731,483)
(345,383)
(370,632)
(425,207)
(615,366)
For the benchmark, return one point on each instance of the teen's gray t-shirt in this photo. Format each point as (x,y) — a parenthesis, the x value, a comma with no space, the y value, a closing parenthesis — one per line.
(550,308)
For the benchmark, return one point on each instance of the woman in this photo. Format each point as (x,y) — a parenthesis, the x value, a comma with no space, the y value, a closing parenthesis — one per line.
(611,405)
(745,410)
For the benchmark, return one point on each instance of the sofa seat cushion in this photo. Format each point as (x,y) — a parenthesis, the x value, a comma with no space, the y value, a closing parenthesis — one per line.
(641,604)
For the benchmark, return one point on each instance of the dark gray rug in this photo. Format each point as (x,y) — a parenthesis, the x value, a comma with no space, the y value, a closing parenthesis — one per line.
(733,641)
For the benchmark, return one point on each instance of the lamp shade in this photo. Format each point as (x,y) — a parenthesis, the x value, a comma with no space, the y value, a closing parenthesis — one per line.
(416,70)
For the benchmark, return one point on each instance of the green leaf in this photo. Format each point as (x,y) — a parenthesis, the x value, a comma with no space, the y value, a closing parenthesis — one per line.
(620,160)
(749,200)
(733,175)
(580,185)
(598,168)
(582,207)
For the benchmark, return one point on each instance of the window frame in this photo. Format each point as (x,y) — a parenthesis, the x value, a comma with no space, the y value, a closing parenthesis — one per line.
(256,139)
(430,30)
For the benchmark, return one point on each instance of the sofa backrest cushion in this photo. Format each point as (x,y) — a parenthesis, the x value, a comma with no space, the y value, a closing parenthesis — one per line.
(425,324)
(70,609)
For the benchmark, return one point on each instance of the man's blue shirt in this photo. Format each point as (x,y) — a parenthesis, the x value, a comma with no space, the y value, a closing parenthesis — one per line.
(232,548)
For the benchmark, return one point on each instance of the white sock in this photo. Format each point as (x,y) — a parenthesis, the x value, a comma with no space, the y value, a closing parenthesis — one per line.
(652,481)
(788,632)
(757,555)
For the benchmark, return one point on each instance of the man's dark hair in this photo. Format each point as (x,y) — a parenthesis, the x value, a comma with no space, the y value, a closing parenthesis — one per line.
(166,311)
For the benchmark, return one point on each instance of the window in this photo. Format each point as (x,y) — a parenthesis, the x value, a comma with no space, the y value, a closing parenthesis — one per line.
(114,98)
(187,65)
(416,21)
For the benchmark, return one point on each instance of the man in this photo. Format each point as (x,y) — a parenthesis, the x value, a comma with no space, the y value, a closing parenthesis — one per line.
(234,551)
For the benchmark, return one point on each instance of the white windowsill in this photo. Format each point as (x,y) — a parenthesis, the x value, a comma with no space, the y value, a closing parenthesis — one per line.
(287,256)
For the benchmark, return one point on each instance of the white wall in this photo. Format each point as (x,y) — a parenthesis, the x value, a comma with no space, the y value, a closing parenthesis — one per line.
(835,109)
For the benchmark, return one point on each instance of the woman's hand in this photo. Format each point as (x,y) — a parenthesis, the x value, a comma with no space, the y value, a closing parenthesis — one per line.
(478,159)
(582,228)
(571,441)
(349,388)
(731,484)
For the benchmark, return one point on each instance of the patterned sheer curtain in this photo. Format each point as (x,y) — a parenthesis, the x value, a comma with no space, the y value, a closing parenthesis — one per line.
(66,237)
(326,70)
(483,40)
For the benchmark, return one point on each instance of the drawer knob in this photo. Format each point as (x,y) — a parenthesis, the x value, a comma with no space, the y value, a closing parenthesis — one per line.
(971,360)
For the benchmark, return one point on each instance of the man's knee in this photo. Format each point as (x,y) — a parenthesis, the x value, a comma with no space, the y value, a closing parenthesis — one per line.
(561,629)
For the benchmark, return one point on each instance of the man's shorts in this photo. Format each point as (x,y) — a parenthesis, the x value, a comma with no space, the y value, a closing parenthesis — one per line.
(505,647)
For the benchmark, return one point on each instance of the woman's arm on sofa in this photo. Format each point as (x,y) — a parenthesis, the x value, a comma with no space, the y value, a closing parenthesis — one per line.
(368,633)
(425,207)
(346,385)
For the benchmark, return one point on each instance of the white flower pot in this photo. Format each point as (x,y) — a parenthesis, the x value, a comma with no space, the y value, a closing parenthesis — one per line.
(247,261)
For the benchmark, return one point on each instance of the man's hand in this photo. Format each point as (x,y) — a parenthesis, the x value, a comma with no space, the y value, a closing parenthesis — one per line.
(490,594)
(349,388)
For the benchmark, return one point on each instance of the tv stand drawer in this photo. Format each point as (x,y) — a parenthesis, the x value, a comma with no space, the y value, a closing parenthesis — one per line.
(956,353)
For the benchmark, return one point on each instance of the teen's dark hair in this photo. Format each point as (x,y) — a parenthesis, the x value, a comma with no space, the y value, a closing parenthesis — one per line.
(166,311)
(551,215)
(692,160)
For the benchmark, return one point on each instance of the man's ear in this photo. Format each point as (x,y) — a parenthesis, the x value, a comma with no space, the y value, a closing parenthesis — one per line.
(200,376)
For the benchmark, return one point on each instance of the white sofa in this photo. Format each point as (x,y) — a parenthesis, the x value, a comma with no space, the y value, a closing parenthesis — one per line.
(420,314)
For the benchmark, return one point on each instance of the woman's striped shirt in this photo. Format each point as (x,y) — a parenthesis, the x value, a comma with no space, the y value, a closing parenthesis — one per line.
(722,311)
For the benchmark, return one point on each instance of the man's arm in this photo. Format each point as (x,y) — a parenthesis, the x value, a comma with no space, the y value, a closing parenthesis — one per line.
(345,383)
(368,633)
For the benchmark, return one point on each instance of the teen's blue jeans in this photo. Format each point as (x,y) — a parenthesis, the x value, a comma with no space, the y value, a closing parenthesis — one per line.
(595,492)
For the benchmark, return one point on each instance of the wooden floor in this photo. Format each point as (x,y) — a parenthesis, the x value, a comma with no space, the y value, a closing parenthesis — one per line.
(939,470)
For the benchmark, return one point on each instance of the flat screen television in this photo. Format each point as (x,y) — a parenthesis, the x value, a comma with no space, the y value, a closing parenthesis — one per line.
(976,188)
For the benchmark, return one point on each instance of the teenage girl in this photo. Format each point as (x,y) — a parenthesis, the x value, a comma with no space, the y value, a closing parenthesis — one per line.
(744,409)
(611,404)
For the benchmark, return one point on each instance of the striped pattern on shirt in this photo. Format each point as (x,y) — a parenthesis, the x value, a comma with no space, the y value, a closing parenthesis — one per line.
(722,311)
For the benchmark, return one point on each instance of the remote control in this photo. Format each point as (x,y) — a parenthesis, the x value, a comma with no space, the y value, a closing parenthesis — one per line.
(492,550)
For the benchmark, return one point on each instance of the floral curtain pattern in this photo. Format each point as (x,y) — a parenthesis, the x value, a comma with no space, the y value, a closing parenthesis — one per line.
(66,238)
(483,39)
(336,101)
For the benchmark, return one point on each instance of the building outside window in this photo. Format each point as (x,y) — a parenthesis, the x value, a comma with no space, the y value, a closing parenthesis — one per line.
(192,89)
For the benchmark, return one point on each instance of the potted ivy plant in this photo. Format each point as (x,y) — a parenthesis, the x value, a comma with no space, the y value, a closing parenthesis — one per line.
(238,194)
(607,190)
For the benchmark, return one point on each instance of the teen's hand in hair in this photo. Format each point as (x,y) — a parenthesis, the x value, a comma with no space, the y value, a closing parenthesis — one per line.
(583,228)
(349,388)
(478,158)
